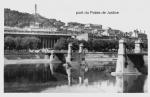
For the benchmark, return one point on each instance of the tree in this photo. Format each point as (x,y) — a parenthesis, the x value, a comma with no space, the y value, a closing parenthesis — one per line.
(85,43)
(25,42)
(34,42)
(9,43)
(30,42)
(90,45)
(130,44)
(58,24)
(75,43)
(112,45)
(18,42)
(144,45)
(61,44)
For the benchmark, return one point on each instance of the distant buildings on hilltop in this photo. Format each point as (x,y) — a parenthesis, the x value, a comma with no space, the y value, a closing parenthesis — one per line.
(83,31)
(90,31)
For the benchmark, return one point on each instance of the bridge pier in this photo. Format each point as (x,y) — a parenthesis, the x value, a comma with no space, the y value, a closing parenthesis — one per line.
(51,62)
(122,67)
(119,84)
(68,58)
(81,48)
(83,67)
(81,77)
(121,58)
(137,46)
(81,52)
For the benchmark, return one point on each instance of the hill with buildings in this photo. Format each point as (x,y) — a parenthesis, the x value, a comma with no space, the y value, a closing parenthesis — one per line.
(14,18)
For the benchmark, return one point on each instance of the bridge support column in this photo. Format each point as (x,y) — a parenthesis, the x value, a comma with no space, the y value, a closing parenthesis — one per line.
(122,67)
(50,43)
(137,46)
(54,41)
(51,62)
(81,48)
(81,52)
(121,58)
(82,72)
(68,58)
(119,84)
(46,43)
(42,43)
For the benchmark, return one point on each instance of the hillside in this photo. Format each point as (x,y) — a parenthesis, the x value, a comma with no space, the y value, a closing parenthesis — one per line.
(18,19)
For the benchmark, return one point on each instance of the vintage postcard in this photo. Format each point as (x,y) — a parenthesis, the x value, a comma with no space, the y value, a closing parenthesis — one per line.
(75,46)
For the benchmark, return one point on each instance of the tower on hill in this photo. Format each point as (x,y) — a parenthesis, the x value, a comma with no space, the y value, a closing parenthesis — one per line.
(35,9)
(35,24)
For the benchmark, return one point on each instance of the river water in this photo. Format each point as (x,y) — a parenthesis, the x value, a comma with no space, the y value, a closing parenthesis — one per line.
(95,81)
(101,82)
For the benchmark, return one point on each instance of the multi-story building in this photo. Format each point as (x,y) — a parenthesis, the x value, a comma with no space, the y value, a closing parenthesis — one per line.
(48,38)
(75,28)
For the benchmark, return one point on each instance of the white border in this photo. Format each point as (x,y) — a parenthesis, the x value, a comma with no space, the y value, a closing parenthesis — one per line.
(2,6)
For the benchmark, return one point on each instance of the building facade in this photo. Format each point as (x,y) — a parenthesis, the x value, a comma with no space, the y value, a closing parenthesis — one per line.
(48,38)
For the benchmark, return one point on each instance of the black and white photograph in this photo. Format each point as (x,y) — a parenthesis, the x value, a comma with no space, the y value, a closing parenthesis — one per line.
(75,46)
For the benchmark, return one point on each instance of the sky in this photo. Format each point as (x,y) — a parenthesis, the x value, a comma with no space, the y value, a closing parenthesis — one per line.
(133,14)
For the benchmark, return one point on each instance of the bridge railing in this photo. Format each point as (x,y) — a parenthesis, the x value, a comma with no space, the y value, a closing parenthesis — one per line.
(131,51)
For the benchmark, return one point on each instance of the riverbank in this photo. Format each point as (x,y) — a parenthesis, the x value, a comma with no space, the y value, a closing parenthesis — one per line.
(41,61)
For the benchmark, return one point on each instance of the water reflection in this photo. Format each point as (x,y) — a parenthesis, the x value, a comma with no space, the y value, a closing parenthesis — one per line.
(101,82)
(95,81)
(119,84)
(134,84)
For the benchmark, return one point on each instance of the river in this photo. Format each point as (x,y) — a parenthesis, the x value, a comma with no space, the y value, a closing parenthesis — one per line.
(95,81)
(105,83)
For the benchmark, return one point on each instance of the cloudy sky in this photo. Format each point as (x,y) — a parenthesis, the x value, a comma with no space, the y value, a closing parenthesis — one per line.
(133,14)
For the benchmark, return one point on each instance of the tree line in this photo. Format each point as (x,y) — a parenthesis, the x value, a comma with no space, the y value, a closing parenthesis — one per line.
(91,45)
(18,43)
(97,45)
